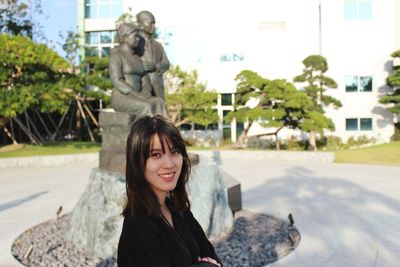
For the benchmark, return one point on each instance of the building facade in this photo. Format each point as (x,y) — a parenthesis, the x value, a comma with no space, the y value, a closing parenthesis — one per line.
(221,38)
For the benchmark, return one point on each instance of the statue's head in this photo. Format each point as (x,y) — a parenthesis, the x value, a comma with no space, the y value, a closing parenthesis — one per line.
(146,22)
(127,33)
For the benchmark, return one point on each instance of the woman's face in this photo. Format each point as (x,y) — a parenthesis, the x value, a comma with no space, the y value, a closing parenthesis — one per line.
(132,40)
(162,168)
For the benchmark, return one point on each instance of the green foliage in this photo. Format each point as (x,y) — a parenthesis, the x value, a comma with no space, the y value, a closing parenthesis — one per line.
(71,46)
(392,99)
(95,71)
(280,104)
(360,141)
(30,74)
(17,18)
(316,85)
(188,100)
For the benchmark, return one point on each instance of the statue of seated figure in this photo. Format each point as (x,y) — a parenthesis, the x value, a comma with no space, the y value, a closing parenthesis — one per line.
(132,87)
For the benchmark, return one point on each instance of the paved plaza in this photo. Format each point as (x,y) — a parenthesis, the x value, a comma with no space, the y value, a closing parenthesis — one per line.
(347,214)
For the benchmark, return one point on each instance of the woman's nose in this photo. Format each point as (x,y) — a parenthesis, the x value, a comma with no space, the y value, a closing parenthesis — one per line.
(168,161)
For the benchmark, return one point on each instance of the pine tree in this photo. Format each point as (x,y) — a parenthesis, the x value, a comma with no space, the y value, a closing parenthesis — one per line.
(315,66)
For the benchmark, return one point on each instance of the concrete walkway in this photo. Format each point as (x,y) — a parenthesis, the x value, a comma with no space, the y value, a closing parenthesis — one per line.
(348,215)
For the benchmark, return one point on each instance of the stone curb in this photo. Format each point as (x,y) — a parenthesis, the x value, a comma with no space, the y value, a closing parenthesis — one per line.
(295,156)
(57,160)
(47,161)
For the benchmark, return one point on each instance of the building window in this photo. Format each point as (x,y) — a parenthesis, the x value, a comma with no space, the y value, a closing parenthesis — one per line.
(357,10)
(103,8)
(226,99)
(358,84)
(351,124)
(99,43)
(362,124)
(366,124)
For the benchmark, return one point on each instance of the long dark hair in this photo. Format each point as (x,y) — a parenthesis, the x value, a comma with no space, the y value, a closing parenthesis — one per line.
(140,197)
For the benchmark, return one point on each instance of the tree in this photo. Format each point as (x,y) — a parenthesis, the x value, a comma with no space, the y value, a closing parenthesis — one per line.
(317,84)
(187,99)
(279,104)
(392,99)
(31,74)
(250,85)
(71,47)
(17,18)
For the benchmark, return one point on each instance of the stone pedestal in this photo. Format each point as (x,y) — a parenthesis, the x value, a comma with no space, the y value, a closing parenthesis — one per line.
(115,130)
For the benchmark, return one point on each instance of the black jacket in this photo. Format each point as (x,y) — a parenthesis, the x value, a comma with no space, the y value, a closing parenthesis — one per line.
(149,242)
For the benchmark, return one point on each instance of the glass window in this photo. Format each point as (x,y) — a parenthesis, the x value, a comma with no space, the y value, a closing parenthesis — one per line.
(91,38)
(366,124)
(225,58)
(105,51)
(103,8)
(238,57)
(351,124)
(118,9)
(351,83)
(104,11)
(105,37)
(186,127)
(226,133)
(226,99)
(365,84)
(350,10)
(358,84)
(89,12)
(364,10)
(357,9)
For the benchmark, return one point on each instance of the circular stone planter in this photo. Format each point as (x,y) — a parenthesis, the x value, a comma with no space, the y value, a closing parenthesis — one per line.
(254,240)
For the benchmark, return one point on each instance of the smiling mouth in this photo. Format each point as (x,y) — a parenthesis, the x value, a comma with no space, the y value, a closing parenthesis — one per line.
(168,177)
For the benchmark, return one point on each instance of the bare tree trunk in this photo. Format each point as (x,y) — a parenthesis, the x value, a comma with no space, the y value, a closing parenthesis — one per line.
(3,122)
(277,145)
(243,136)
(78,121)
(9,135)
(312,141)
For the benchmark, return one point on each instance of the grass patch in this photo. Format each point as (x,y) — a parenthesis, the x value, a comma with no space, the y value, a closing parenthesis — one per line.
(50,149)
(385,154)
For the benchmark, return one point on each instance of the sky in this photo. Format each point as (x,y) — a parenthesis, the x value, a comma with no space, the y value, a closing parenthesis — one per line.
(59,15)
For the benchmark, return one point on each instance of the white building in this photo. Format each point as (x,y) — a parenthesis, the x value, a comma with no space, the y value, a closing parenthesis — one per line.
(221,38)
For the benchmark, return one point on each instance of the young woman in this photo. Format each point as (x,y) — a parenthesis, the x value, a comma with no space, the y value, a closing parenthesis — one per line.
(159,230)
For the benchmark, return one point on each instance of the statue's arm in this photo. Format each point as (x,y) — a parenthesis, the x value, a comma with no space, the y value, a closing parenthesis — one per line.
(117,75)
(164,64)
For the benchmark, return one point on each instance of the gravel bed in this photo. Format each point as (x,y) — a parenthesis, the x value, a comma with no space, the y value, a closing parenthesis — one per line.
(255,240)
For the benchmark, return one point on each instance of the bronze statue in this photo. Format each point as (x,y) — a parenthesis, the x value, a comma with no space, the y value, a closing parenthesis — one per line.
(132,87)
(152,53)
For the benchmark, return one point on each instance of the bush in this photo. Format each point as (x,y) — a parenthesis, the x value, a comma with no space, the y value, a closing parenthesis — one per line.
(260,143)
(293,144)
(360,141)
(335,143)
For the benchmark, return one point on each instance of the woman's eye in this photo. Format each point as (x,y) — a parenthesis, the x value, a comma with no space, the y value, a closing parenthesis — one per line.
(156,155)
(175,152)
